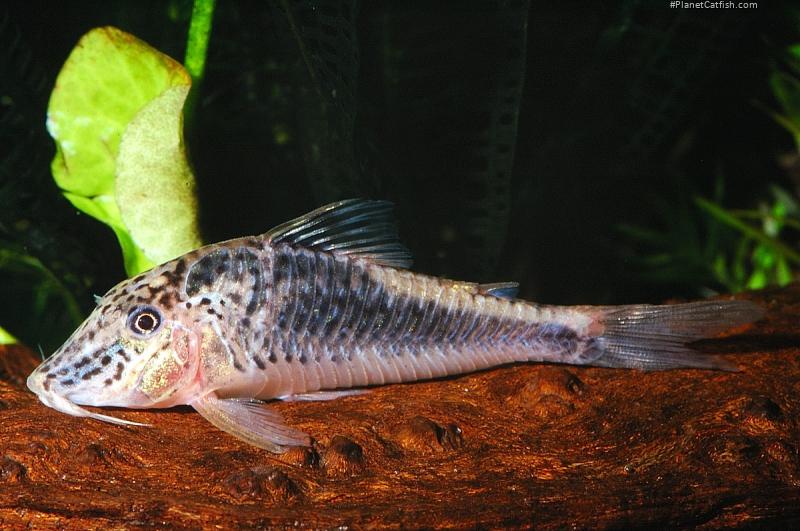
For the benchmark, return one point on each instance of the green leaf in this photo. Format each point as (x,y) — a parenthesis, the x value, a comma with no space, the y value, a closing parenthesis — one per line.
(117,103)
(720,268)
(723,216)
(786,200)
(155,186)
(783,272)
(793,57)
(6,338)
(757,280)
(104,208)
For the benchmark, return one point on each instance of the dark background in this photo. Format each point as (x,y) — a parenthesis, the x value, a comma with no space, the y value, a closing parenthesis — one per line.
(514,138)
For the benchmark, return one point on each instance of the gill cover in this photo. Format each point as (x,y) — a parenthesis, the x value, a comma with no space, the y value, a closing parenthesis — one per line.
(171,368)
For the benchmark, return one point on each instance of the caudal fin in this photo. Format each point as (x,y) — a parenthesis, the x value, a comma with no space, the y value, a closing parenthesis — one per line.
(651,337)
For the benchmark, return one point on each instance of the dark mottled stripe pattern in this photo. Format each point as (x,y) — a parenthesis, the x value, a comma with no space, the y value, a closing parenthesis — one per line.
(240,267)
(236,277)
(334,306)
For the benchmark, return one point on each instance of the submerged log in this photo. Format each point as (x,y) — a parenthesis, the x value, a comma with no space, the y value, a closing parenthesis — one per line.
(533,445)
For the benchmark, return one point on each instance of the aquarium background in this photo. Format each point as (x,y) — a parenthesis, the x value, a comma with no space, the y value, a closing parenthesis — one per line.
(567,146)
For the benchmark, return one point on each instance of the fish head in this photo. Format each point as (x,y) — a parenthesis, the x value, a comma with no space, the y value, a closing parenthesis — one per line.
(135,350)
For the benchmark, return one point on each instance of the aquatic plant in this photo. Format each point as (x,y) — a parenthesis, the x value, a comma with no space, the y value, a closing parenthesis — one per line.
(732,249)
(308,101)
(116,116)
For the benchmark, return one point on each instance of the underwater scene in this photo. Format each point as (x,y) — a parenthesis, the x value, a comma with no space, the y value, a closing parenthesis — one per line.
(621,152)
(349,264)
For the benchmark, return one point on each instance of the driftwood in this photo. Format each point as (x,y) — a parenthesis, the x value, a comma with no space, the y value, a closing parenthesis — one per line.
(519,446)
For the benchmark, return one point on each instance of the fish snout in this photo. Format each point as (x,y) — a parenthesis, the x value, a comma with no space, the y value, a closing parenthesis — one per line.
(45,383)
(51,394)
(36,382)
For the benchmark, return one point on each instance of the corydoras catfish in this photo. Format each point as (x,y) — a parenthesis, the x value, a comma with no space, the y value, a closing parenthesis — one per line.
(324,305)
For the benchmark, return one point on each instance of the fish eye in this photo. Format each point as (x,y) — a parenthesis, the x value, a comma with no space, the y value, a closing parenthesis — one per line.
(144,320)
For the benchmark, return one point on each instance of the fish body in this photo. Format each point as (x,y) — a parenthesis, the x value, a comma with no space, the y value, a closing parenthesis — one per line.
(325,304)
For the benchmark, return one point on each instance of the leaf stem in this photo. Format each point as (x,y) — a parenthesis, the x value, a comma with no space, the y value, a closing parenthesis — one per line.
(197,48)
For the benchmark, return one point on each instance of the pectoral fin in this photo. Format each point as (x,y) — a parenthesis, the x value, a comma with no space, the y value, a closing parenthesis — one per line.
(250,421)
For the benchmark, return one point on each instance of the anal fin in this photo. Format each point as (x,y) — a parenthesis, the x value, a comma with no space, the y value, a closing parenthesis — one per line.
(322,395)
(250,421)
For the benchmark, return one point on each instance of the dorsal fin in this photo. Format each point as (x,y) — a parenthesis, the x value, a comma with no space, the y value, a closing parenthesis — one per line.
(503,290)
(359,227)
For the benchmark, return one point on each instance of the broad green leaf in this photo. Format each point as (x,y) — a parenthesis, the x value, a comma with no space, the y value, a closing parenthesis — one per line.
(6,338)
(104,207)
(107,81)
(155,186)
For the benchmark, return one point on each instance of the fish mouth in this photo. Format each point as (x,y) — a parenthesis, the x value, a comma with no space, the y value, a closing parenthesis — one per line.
(65,405)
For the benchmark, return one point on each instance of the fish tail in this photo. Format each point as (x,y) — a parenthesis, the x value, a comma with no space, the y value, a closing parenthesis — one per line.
(656,337)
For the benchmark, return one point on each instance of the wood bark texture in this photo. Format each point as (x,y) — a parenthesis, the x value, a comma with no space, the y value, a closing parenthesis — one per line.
(542,446)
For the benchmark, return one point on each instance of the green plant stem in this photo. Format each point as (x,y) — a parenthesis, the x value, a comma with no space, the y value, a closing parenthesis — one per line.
(199,34)
(197,48)
(757,216)
(723,216)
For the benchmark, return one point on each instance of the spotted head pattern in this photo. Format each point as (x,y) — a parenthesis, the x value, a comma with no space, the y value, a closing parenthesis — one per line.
(111,354)
(141,347)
